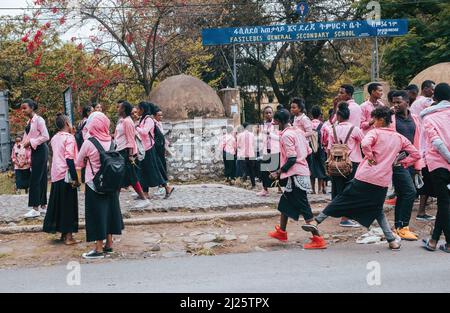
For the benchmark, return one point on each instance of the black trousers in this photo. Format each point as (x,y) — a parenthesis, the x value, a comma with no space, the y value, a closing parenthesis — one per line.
(270,163)
(249,168)
(229,161)
(441,179)
(38,180)
(406,194)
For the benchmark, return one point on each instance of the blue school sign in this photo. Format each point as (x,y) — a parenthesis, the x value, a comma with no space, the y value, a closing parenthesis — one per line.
(304,32)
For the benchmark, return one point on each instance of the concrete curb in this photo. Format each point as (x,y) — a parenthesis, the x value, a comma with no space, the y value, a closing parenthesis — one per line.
(241,216)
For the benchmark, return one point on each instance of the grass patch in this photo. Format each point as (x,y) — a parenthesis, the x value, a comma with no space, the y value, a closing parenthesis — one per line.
(7,183)
(3,255)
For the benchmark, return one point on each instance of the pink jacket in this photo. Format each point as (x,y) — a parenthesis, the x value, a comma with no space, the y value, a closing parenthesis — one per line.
(246,145)
(125,135)
(420,164)
(355,114)
(145,128)
(89,151)
(303,123)
(64,147)
(21,157)
(436,126)
(383,146)
(420,104)
(353,143)
(293,144)
(38,132)
(228,144)
(366,111)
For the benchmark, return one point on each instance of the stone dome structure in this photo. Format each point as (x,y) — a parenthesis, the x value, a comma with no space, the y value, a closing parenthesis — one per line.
(439,73)
(184,97)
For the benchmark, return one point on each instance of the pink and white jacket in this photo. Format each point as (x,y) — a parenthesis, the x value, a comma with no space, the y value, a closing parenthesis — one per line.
(38,132)
(228,144)
(353,143)
(303,123)
(293,144)
(246,145)
(64,146)
(383,145)
(21,157)
(420,104)
(146,130)
(271,138)
(366,114)
(436,128)
(355,113)
(125,135)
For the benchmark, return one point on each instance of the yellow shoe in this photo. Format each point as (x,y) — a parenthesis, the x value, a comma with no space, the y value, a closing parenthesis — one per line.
(406,234)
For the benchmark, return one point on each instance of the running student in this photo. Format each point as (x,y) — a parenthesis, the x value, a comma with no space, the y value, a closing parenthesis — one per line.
(36,137)
(125,140)
(362,200)
(437,156)
(62,213)
(294,168)
(103,215)
(338,134)
(21,160)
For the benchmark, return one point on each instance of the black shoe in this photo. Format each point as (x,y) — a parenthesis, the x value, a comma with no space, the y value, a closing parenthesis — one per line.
(108,250)
(93,255)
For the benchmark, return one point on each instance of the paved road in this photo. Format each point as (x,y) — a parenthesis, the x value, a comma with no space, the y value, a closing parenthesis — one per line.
(340,269)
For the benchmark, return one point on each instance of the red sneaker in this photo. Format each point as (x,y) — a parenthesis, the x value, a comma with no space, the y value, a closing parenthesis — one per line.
(391,201)
(279,234)
(316,243)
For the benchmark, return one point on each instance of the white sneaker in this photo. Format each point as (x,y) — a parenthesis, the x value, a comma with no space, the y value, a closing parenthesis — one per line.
(160,192)
(140,204)
(32,214)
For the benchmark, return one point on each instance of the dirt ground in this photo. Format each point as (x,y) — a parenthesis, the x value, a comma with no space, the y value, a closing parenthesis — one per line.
(173,240)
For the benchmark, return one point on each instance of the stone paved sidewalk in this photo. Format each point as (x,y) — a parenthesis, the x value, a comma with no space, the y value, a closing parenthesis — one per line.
(193,198)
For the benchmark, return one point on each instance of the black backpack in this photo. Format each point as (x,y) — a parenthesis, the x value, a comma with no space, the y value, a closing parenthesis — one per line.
(79,134)
(112,170)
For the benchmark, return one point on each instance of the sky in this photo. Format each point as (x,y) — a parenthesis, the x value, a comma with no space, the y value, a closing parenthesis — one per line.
(5,4)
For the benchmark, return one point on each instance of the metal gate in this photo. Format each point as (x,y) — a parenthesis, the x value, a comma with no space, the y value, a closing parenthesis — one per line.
(5,139)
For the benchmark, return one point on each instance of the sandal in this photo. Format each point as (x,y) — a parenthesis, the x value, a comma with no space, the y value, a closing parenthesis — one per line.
(444,248)
(72,242)
(169,194)
(427,245)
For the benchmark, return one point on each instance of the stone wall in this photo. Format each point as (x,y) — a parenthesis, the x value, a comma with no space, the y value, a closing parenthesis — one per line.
(193,153)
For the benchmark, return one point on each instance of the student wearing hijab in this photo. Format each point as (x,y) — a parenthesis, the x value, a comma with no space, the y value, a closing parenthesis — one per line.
(103,215)
(36,137)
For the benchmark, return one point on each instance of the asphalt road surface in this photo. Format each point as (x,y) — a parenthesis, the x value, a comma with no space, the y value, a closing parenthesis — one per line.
(353,268)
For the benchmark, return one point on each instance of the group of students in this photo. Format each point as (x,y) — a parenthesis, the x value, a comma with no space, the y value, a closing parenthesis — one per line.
(386,145)
(137,144)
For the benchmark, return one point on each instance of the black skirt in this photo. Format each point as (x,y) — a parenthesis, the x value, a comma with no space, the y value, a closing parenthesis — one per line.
(22,178)
(38,180)
(152,170)
(359,201)
(316,163)
(130,178)
(103,216)
(295,203)
(62,211)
